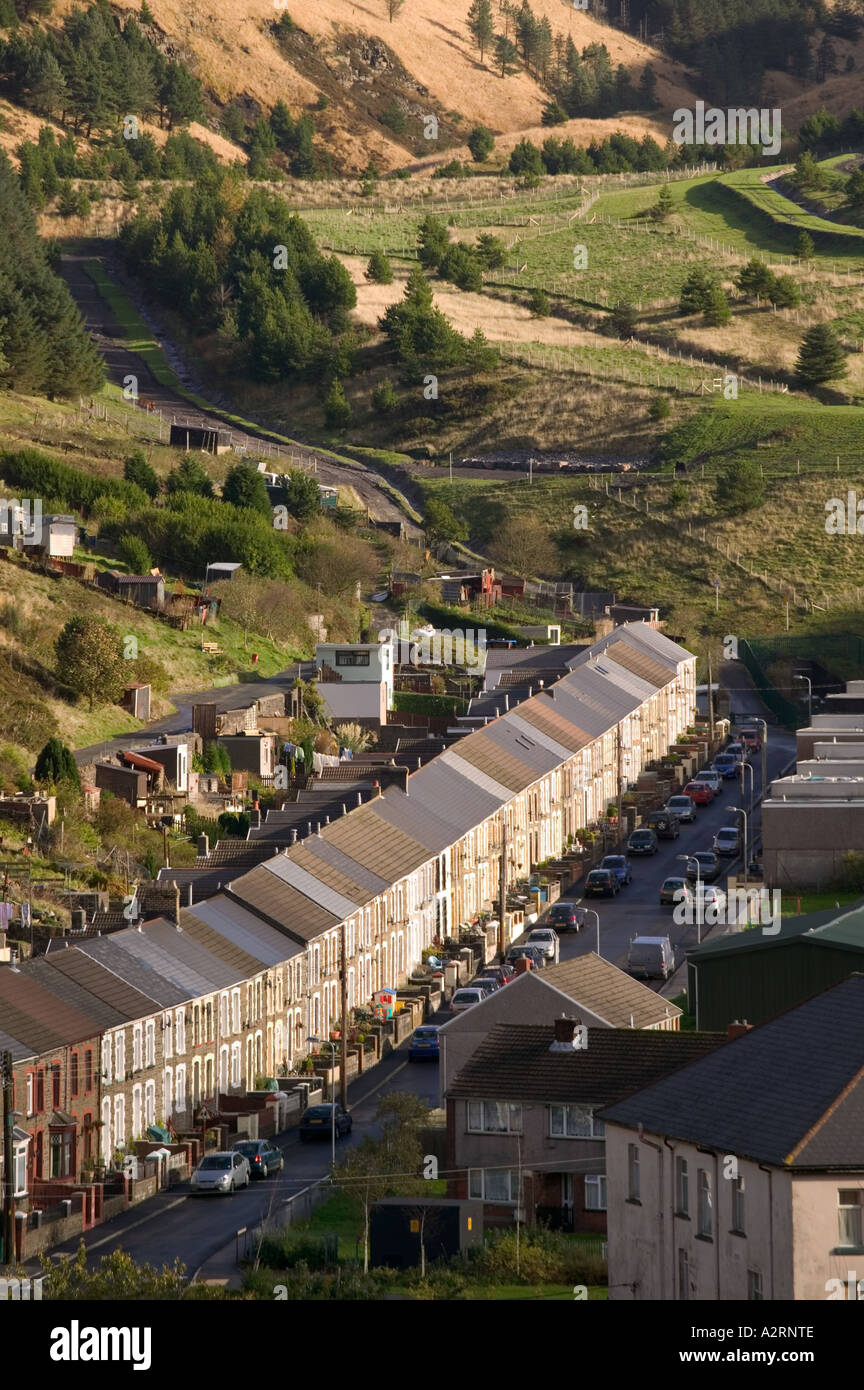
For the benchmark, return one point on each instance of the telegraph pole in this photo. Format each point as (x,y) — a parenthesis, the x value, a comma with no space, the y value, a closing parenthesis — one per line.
(8,1166)
(343,1004)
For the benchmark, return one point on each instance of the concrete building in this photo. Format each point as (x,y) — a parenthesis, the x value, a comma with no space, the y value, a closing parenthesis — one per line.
(809,826)
(357,662)
(741,1176)
(254,752)
(829,728)
(522,1115)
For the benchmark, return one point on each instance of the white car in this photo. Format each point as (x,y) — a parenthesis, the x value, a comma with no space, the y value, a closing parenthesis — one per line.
(682,807)
(727,840)
(546,939)
(221,1172)
(709,895)
(466,999)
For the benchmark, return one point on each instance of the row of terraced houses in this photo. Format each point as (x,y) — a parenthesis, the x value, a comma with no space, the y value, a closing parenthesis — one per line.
(118,1032)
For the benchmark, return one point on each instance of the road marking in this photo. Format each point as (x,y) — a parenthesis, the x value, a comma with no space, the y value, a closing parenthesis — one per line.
(118,1235)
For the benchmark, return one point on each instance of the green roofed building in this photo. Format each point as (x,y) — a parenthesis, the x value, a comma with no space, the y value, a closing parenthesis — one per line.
(753,976)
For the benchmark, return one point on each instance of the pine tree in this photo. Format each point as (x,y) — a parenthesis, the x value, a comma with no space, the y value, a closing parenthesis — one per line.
(662,209)
(244,486)
(337,411)
(137,470)
(55,764)
(805,248)
(717,311)
(821,357)
(379,270)
(648,87)
(506,54)
(481,24)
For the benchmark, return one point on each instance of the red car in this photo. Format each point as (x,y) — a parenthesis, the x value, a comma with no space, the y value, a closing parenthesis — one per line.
(752,739)
(700,793)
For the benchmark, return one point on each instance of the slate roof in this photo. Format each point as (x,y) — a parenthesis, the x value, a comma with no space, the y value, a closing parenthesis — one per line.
(155,989)
(609,993)
(788,1093)
(514,1063)
(37,1017)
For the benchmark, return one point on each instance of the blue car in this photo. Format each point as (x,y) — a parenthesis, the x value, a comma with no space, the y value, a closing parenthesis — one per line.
(423,1046)
(620,867)
(726,764)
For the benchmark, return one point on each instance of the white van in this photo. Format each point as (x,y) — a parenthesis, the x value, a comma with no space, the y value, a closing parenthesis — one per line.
(651,957)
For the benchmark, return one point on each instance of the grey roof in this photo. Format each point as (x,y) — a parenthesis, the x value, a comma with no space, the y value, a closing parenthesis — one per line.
(41,970)
(21,1052)
(344,864)
(175,958)
(246,930)
(412,814)
(790,1092)
(326,897)
(111,955)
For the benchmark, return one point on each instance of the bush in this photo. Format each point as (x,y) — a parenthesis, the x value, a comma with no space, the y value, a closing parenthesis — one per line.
(379,270)
(538,303)
(135,555)
(337,411)
(384,398)
(481,143)
(660,408)
(545,1257)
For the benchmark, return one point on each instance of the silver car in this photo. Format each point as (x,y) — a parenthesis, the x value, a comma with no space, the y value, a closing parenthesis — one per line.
(221,1172)
(546,939)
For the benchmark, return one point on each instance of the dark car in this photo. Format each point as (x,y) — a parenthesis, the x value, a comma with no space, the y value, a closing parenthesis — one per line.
(532,953)
(264,1158)
(619,866)
(602,883)
(502,973)
(486,983)
(317,1122)
(664,825)
(565,916)
(642,842)
(709,866)
(424,1045)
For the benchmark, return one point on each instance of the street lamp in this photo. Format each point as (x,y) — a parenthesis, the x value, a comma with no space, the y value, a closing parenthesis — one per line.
(590,912)
(809,696)
(746,767)
(742,812)
(690,860)
(331,1044)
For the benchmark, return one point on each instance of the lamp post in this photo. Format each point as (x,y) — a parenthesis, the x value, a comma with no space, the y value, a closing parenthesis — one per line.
(590,912)
(809,697)
(746,767)
(690,860)
(764,754)
(332,1047)
(741,811)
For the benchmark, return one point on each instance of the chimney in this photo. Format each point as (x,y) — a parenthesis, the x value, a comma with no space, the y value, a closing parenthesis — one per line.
(359,798)
(255,815)
(376,786)
(203,846)
(189,898)
(294,835)
(738,1029)
(566,1032)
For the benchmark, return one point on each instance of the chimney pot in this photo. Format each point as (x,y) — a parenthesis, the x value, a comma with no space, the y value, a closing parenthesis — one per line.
(565,1029)
(294,836)
(738,1028)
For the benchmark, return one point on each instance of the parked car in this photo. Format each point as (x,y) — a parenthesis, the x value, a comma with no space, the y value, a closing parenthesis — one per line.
(674,890)
(532,953)
(664,824)
(699,793)
(601,883)
(221,1172)
(727,840)
(424,1045)
(263,1157)
(751,739)
(546,939)
(642,841)
(709,866)
(466,998)
(681,807)
(738,751)
(651,957)
(726,764)
(486,983)
(619,866)
(708,894)
(317,1122)
(713,778)
(502,973)
(565,916)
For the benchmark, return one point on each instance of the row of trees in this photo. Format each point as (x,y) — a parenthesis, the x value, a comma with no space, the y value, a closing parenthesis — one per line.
(95,69)
(47,164)
(423,338)
(617,154)
(244,263)
(44,346)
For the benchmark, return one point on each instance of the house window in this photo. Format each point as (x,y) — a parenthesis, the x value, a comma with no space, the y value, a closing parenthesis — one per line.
(633,1172)
(494,1185)
(119,1122)
(137,1048)
(705,1223)
(738,1205)
(683,1275)
(595,1193)
(352,658)
(574,1122)
(55,1086)
(73,1073)
(120,1056)
(20,1170)
(180,1088)
(137,1110)
(150,1103)
(754,1286)
(223,1014)
(236,1060)
(196,1025)
(235,1011)
(150,1043)
(106,1060)
(682,1187)
(168,1035)
(180,1031)
(223,1068)
(29,1101)
(494,1117)
(168,1092)
(88,1069)
(849,1201)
